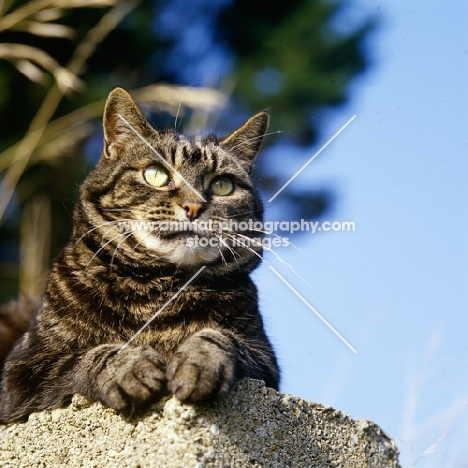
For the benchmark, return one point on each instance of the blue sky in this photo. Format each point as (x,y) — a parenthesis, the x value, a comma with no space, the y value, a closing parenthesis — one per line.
(397,287)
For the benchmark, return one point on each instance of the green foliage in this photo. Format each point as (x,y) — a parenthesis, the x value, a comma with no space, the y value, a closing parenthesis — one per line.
(290,58)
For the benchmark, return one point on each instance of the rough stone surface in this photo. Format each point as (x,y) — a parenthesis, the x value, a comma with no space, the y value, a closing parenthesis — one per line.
(254,427)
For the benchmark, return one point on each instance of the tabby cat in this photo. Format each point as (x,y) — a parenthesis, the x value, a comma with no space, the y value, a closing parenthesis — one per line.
(90,334)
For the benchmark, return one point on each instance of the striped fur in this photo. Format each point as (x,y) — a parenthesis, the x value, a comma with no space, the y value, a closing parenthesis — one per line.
(108,282)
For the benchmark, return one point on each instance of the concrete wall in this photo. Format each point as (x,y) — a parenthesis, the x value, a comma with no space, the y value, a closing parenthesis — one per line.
(254,427)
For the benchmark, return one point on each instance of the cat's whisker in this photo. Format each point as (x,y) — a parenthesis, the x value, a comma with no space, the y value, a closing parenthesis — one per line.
(180,105)
(104,235)
(151,232)
(278,237)
(220,251)
(247,247)
(115,251)
(224,220)
(233,252)
(115,222)
(247,141)
(285,263)
(259,231)
(269,249)
(268,233)
(100,250)
(177,114)
(90,231)
(117,209)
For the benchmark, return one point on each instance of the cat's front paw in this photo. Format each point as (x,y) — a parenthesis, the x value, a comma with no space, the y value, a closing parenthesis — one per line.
(203,368)
(132,378)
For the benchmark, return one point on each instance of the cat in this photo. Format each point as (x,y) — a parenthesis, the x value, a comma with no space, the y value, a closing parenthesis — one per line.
(93,332)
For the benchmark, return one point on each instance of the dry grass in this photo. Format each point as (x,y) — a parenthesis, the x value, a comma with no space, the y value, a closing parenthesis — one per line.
(51,138)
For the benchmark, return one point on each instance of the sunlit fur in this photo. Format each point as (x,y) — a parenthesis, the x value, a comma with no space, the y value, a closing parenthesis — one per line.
(106,199)
(109,281)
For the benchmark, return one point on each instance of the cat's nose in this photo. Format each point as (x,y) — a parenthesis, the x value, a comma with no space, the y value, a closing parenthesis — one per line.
(192,208)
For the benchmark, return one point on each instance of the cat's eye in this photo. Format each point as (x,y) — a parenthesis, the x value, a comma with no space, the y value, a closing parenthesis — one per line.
(222,186)
(157,176)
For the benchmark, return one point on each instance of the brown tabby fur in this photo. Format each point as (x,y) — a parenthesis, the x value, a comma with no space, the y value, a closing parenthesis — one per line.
(108,282)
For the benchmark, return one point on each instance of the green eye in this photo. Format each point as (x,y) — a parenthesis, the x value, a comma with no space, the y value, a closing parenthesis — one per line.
(157,176)
(222,186)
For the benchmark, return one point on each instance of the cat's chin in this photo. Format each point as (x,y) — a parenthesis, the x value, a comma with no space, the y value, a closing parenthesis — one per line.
(177,250)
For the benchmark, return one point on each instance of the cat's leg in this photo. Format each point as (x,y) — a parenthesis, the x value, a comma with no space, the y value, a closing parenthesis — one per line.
(206,366)
(121,379)
(35,379)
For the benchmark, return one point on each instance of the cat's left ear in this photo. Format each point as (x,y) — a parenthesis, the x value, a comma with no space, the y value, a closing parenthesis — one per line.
(123,123)
(246,141)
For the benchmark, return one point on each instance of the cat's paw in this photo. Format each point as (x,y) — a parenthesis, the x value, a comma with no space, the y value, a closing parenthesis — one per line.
(132,378)
(203,368)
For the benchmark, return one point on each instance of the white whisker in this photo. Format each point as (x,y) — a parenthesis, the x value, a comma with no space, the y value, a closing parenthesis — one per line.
(257,138)
(233,252)
(115,222)
(269,249)
(233,237)
(100,250)
(220,251)
(278,237)
(117,209)
(115,251)
(158,235)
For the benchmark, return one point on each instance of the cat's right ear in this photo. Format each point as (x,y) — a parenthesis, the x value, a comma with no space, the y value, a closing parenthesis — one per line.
(123,122)
(247,140)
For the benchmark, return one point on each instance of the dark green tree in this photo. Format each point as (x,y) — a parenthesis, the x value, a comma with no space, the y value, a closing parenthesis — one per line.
(283,55)
(291,59)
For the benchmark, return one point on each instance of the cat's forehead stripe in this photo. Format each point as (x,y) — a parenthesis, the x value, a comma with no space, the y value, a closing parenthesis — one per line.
(197,150)
(212,159)
(178,155)
(206,152)
(193,153)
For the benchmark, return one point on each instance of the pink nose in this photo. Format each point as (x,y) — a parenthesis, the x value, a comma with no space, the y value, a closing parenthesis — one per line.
(193,209)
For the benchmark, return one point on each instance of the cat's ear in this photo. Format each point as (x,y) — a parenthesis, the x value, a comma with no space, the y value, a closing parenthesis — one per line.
(246,141)
(123,122)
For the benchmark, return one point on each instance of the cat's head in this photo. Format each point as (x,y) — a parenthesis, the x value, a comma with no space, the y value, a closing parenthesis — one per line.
(158,197)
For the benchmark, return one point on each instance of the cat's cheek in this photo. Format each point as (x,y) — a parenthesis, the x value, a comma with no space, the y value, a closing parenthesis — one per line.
(148,240)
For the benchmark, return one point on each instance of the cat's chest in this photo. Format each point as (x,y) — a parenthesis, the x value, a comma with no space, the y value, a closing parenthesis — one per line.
(167,337)
(168,320)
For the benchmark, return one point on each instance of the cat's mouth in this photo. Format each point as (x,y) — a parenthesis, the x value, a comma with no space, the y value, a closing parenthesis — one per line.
(196,244)
(183,230)
(177,246)
(172,235)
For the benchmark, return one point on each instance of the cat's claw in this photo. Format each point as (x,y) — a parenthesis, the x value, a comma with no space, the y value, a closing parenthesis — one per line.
(200,372)
(132,378)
